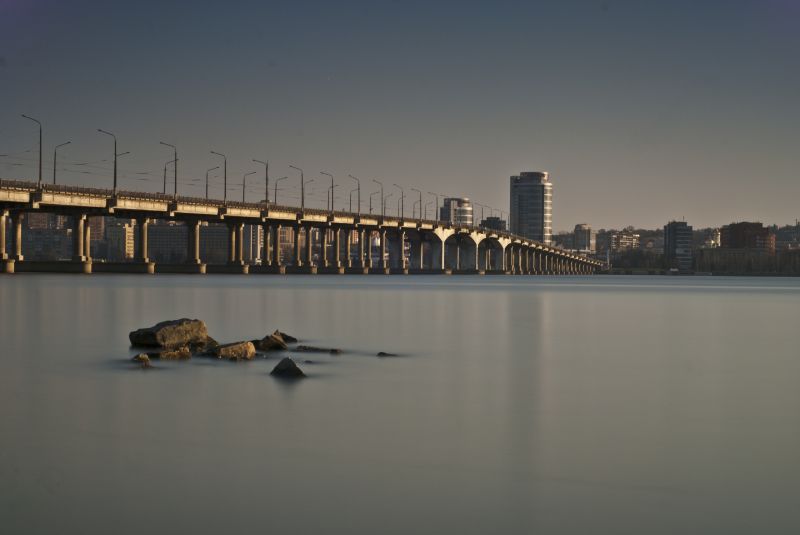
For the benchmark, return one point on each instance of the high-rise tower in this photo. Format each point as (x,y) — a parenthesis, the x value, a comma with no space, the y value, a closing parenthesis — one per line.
(531,206)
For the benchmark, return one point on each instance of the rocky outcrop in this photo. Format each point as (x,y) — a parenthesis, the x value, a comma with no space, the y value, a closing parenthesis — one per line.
(206,347)
(312,349)
(236,351)
(170,334)
(289,339)
(384,354)
(143,360)
(181,353)
(273,342)
(288,369)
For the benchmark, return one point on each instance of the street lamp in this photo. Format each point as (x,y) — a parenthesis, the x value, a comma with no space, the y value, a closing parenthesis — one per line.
(266,179)
(224,174)
(115,156)
(383,204)
(358,187)
(165,174)
(40,146)
(176,166)
(351,199)
(208,171)
(371,195)
(414,209)
(435,208)
(55,158)
(244,183)
(275,197)
(426,209)
(302,188)
(402,211)
(420,201)
(332,186)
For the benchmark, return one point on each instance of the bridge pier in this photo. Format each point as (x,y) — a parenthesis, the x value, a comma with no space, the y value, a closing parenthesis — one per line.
(3,217)
(337,246)
(78,223)
(266,257)
(276,248)
(384,263)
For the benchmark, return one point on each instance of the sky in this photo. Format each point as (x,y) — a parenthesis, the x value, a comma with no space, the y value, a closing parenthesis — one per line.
(642,111)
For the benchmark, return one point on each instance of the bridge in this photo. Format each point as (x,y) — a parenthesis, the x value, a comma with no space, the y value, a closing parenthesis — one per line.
(346,242)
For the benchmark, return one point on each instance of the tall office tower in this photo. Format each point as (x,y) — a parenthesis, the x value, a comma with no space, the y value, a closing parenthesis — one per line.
(457,211)
(531,206)
(678,245)
(584,238)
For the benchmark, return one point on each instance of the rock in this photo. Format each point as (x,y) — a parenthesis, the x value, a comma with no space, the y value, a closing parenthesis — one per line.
(206,347)
(287,368)
(289,339)
(236,351)
(312,349)
(180,353)
(170,334)
(384,354)
(143,360)
(273,342)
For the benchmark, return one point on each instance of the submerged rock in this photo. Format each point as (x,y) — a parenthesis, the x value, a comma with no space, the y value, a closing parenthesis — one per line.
(273,342)
(206,347)
(170,334)
(143,360)
(312,349)
(236,351)
(384,354)
(181,353)
(288,338)
(287,368)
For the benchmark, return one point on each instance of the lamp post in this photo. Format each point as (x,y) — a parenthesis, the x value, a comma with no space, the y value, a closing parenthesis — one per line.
(40,146)
(402,211)
(426,209)
(302,188)
(208,171)
(266,179)
(224,174)
(420,201)
(332,186)
(351,199)
(383,204)
(275,197)
(414,209)
(371,195)
(244,183)
(55,159)
(358,187)
(175,154)
(435,208)
(165,174)
(115,156)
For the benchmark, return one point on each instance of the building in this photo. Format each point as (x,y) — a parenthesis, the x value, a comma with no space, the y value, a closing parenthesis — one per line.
(214,242)
(623,241)
(456,211)
(747,236)
(120,242)
(494,223)
(678,245)
(531,206)
(584,240)
(167,242)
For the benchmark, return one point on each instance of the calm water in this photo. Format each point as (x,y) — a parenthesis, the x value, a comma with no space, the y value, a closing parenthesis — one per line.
(551,405)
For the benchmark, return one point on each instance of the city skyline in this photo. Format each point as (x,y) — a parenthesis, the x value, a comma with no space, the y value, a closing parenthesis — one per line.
(630,134)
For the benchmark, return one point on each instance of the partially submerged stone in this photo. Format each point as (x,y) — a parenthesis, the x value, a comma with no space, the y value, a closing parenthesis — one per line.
(170,334)
(287,368)
(143,360)
(289,339)
(236,351)
(181,353)
(272,342)
(206,347)
(312,349)
(384,354)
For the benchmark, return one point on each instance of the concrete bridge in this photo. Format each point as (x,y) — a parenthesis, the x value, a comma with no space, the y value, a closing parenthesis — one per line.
(347,242)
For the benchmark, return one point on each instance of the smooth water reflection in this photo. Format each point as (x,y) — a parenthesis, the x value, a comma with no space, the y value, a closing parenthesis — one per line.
(518,405)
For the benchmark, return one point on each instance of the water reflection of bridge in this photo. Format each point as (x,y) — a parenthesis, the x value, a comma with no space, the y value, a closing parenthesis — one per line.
(323,241)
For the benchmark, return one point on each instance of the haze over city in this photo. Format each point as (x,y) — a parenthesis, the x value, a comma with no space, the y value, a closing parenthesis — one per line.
(641,111)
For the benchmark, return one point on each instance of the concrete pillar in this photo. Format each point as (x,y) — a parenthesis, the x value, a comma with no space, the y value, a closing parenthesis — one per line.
(266,257)
(477,257)
(348,243)
(276,247)
(402,248)
(3,253)
(143,223)
(337,244)
(383,262)
(324,259)
(368,245)
(298,261)
(458,253)
(240,243)
(17,236)
(78,223)
(362,238)
(231,243)
(421,253)
(193,232)
(309,256)
(440,260)
(87,241)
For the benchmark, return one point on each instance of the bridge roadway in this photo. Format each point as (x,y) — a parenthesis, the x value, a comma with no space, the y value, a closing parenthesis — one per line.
(433,246)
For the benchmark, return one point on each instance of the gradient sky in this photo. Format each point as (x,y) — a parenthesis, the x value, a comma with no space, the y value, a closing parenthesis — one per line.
(642,111)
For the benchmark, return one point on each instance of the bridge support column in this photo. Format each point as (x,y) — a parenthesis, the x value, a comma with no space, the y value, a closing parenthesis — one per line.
(276,247)
(143,223)
(362,247)
(337,244)
(324,256)
(17,236)
(240,243)
(401,246)
(87,241)
(266,257)
(231,243)
(348,251)
(309,256)
(383,262)
(458,253)
(3,253)
(78,223)
(298,261)
(194,241)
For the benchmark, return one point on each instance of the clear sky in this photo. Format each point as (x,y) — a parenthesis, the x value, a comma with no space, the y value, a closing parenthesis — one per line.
(642,111)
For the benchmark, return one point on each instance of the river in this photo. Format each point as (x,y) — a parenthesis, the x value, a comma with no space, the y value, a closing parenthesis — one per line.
(553,405)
